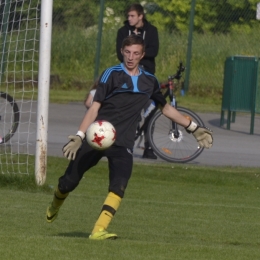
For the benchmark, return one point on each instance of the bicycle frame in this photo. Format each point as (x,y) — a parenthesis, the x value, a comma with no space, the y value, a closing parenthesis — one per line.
(169,93)
(170,141)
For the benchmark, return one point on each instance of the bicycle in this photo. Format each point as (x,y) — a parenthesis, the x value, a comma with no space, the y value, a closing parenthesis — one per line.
(170,141)
(9,117)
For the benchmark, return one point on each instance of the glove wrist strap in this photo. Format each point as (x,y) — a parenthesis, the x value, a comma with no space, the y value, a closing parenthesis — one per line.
(81,134)
(191,127)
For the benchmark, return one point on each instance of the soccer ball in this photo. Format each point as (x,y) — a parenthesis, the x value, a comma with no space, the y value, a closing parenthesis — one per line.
(101,135)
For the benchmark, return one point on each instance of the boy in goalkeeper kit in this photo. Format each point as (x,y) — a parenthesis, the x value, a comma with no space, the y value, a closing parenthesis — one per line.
(122,92)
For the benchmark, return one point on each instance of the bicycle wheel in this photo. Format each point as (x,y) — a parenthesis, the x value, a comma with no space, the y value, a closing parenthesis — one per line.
(9,117)
(180,150)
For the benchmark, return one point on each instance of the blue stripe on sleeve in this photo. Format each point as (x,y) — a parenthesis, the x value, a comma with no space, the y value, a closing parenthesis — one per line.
(147,73)
(108,72)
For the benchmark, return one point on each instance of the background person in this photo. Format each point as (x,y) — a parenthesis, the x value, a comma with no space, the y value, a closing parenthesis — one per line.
(138,25)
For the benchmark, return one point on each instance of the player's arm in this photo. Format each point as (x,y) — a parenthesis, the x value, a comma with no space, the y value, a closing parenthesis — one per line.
(173,114)
(103,89)
(71,148)
(88,100)
(202,134)
(90,116)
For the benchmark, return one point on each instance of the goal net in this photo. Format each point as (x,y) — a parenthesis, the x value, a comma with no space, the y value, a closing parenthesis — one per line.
(19,51)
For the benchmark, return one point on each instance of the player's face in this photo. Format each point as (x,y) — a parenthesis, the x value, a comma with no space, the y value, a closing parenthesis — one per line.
(132,56)
(134,19)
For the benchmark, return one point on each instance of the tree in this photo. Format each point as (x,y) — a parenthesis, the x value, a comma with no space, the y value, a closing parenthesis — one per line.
(217,16)
(78,12)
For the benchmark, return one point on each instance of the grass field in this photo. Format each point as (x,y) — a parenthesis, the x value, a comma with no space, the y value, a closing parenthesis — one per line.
(169,212)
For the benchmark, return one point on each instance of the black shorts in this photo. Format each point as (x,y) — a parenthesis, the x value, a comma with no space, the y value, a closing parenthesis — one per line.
(120,163)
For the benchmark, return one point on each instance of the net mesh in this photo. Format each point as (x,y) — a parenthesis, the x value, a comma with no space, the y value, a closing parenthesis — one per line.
(19,26)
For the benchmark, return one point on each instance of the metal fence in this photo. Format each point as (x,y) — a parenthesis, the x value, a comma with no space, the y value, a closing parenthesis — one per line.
(201,33)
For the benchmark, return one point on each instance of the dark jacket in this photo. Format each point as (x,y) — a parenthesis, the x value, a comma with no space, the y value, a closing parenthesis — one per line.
(150,35)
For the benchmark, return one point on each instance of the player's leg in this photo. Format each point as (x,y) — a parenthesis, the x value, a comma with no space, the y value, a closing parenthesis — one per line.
(85,159)
(53,208)
(120,168)
(148,151)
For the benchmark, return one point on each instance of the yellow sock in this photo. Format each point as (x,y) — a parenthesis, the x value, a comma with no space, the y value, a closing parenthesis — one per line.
(108,211)
(58,198)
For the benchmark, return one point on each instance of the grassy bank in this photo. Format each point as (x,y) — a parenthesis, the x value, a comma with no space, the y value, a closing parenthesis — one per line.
(73,60)
(73,57)
(196,103)
(73,63)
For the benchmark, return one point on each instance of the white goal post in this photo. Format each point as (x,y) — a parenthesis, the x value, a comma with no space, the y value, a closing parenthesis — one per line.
(43,91)
(25,49)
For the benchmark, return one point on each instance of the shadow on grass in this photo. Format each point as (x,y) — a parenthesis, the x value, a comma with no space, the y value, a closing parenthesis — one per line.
(74,234)
(24,182)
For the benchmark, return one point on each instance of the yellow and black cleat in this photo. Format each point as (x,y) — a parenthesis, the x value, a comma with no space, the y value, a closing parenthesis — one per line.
(102,234)
(52,213)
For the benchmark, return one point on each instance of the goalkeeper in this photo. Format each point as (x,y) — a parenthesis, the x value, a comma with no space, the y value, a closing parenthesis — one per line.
(121,94)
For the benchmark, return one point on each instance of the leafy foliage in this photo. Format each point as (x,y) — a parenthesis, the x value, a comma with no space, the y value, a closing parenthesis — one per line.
(80,13)
(217,16)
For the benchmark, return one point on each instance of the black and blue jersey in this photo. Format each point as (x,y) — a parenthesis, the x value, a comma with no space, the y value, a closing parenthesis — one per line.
(122,98)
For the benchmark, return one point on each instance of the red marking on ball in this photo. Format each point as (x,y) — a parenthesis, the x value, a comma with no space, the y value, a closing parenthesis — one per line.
(114,131)
(100,122)
(97,139)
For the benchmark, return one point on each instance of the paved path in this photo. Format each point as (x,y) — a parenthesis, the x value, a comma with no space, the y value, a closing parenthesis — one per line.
(235,147)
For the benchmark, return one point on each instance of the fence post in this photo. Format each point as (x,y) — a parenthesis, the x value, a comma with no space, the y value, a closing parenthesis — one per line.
(43,91)
(189,49)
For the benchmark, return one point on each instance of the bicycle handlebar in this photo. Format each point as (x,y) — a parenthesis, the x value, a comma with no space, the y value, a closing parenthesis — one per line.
(178,75)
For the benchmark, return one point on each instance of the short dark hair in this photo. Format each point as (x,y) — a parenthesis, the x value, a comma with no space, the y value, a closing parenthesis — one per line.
(136,7)
(133,39)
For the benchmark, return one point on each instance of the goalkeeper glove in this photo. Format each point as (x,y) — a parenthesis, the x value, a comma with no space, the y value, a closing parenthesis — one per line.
(203,135)
(70,149)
